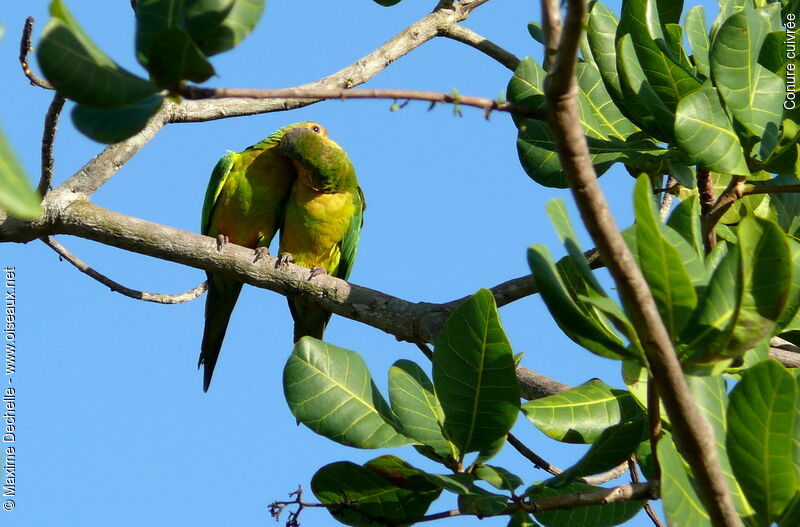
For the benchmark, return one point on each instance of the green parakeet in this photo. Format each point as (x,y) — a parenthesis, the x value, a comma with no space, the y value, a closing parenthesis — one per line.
(324,215)
(244,204)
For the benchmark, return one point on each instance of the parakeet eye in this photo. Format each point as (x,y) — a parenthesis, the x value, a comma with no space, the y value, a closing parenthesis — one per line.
(316,129)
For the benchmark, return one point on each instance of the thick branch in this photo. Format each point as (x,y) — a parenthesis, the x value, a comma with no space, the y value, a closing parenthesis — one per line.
(158,298)
(693,436)
(599,496)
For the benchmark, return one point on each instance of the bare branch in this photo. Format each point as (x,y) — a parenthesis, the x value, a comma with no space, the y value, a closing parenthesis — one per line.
(535,385)
(598,496)
(692,434)
(705,186)
(648,508)
(48,139)
(157,298)
(533,457)
(318,94)
(470,38)
(666,200)
(784,352)
(24,49)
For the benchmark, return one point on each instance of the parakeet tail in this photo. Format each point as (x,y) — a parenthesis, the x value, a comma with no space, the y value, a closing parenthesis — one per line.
(308,320)
(222,296)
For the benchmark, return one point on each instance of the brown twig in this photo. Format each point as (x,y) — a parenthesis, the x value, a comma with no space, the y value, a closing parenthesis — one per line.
(693,435)
(48,139)
(705,187)
(648,508)
(157,298)
(732,193)
(24,49)
(469,37)
(751,189)
(654,426)
(533,457)
(488,105)
(597,496)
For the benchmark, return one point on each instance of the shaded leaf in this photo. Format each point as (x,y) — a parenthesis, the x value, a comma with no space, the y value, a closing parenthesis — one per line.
(174,58)
(497,477)
(115,124)
(80,71)
(414,403)
(761,427)
(384,491)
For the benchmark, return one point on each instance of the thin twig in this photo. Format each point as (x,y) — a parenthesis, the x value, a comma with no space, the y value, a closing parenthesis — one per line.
(693,435)
(533,457)
(753,188)
(732,193)
(597,496)
(488,105)
(24,49)
(48,139)
(157,298)
(654,426)
(648,508)
(666,200)
(470,38)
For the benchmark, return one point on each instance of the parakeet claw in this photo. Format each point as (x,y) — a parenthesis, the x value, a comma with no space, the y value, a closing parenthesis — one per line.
(284,259)
(260,252)
(221,241)
(316,271)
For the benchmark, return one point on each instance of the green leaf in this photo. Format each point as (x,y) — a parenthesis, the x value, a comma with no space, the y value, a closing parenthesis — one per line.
(497,477)
(661,263)
(387,3)
(237,18)
(535,145)
(581,414)
(568,314)
(685,220)
(705,134)
(116,124)
(696,34)
(482,503)
(214,25)
(175,58)
(521,519)
(601,32)
(793,300)
(384,491)
(416,407)
(80,71)
(17,197)
(773,52)
(682,506)
(711,398)
(329,389)
(615,445)
(592,516)
(671,82)
(474,375)
(536,31)
(761,428)
(751,92)
(645,107)
(766,271)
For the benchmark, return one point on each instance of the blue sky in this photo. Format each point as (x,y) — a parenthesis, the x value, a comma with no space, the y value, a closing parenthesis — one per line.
(113,426)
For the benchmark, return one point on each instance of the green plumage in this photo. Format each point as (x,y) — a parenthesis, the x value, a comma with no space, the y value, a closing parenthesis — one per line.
(296,180)
(324,215)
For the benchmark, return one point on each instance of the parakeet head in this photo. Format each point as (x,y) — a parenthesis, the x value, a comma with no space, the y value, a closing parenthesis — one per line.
(321,163)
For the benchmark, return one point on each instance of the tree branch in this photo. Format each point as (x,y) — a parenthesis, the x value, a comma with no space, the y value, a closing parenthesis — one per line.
(598,496)
(24,49)
(693,435)
(467,36)
(157,298)
(48,139)
(318,94)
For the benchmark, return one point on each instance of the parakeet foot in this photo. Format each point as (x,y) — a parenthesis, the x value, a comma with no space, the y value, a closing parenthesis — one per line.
(221,241)
(260,252)
(284,259)
(317,271)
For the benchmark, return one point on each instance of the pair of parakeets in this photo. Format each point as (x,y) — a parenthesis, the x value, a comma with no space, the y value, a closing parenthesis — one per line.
(297,181)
